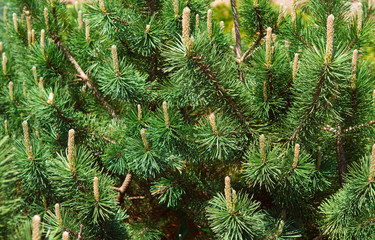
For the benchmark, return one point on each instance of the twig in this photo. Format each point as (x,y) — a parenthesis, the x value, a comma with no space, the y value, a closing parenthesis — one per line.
(236,29)
(80,233)
(321,235)
(303,40)
(316,95)
(359,126)
(124,188)
(86,79)
(260,36)
(135,198)
(328,128)
(340,156)
(211,75)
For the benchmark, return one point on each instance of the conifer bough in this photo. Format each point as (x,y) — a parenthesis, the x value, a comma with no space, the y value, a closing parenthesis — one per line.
(172,107)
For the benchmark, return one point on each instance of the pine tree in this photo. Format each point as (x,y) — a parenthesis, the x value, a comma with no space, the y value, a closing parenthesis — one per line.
(148,120)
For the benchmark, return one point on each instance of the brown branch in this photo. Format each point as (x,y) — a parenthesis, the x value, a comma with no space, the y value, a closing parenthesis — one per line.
(86,79)
(80,232)
(321,235)
(236,29)
(328,128)
(359,126)
(124,188)
(211,75)
(260,36)
(342,168)
(135,198)
(316,95)
(303,40)
(61,115)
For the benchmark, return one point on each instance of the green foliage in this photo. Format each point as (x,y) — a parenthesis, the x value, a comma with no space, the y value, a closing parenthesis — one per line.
(166,117)
(245,222)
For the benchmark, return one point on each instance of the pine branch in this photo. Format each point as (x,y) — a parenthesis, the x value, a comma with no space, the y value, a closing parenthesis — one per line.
(355,128)
(237,29)
(80,232)
(342,168)
(328,128)
(86,79)
(321,235)
(61,115)
(211,75)
(260,36)
(303,40)
(310,110)
(135,198)
(124,188)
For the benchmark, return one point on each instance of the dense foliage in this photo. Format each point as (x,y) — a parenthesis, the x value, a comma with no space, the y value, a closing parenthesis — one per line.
(138,119)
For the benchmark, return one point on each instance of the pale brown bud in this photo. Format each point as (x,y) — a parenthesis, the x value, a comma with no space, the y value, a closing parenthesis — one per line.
(281,227)
(147,28)
(234,196)
(268,47)
(197,21)
(166,117)
(5,64)
(101,4)
(36,228)
(222,25)
(80,21)
(360,14)
(71,159)
(87,30)
(186,26)
(96,189)
(372,168)
(175,7)
(209,23)
(354,69)
(29,38)
(262,139)
(228,195)
(27,139)
(15,22)
(58,214)
(265,95)
(6,127)
(115,60)
(65,235)
(50,99)
(35,75)
(213,123)
(46,18)
(11,91)
(256,3)
(139,112)
(42,40)
(296,154)
(41,84)
(1,46)
(28,21)
(144,139)
(32,36)
(295,66)
(274,37)
(329,46)
(294,13)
